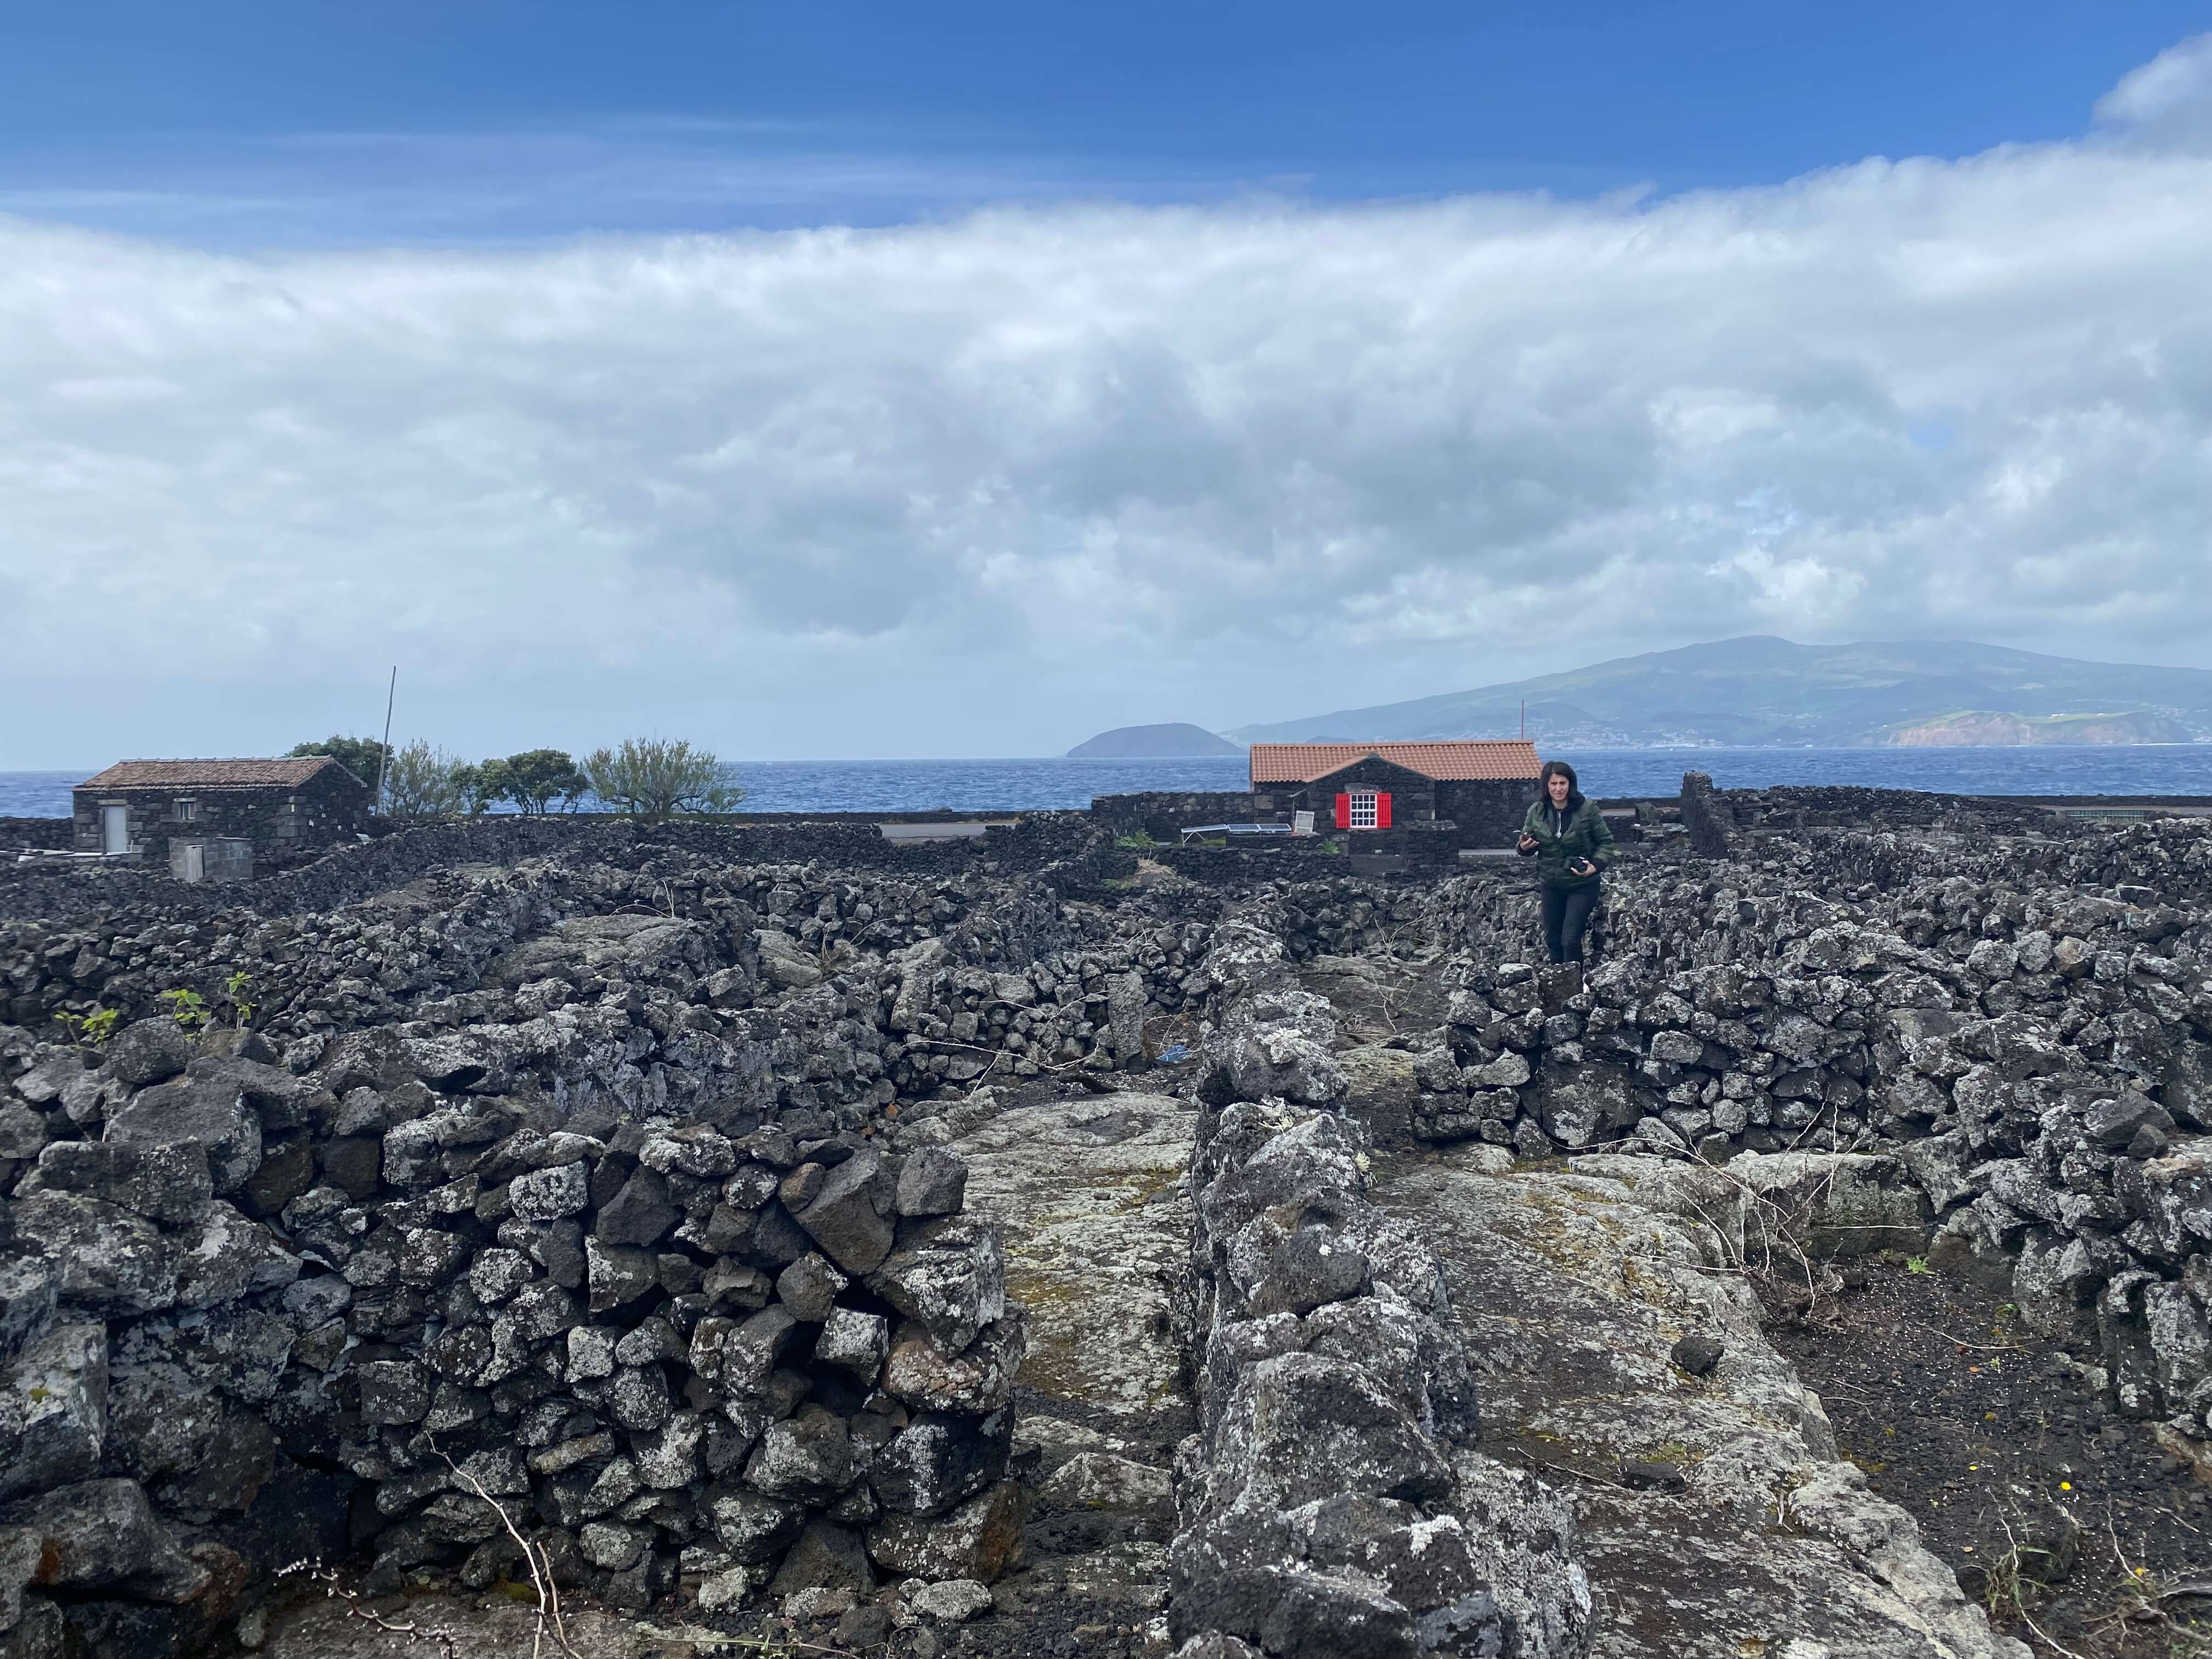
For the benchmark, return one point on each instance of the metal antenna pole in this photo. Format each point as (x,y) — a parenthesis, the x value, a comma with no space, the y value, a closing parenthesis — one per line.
(384,756)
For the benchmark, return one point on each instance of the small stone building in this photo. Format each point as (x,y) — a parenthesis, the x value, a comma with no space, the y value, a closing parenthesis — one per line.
(1480,788)
(279,805)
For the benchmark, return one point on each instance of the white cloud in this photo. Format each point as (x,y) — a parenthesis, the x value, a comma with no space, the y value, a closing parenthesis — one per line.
(2168,99)
(985,485)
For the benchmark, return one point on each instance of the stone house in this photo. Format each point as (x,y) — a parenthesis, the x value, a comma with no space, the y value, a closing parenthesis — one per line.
(1478,788)
(142,806)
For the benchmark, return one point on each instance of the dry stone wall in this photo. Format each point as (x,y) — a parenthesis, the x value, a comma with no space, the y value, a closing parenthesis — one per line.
(568,1162)
(558,1184)
(1335,1501)
(2025,1025)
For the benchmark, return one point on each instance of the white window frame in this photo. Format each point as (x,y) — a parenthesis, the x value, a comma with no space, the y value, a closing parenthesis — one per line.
(1362,814)
(183,809)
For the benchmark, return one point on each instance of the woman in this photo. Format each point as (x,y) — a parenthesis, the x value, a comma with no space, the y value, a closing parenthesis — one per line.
(1565,833)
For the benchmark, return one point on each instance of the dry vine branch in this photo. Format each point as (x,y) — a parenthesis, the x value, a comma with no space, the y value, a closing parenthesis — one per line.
(2019,1604)
(549,1616)
(335,1591)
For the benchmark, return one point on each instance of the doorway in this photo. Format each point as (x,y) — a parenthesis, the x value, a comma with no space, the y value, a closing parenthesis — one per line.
(115,829)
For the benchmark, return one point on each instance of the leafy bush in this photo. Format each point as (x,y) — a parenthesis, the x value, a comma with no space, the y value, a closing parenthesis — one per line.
(481,784)
(359,755)
(188,1008)
(423,782)
(536,777)
(655,778)
(94,1028)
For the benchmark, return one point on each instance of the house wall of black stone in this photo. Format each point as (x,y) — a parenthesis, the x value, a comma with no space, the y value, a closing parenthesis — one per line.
(1488,811)
(1412,797)
(330,807)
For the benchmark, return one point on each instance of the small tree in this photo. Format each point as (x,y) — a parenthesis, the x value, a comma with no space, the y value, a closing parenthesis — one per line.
(423,782)
(360,755)
(536,776)
(481,784)
(653,778)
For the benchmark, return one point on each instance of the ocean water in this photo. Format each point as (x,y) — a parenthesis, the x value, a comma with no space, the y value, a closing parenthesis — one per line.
(915,786)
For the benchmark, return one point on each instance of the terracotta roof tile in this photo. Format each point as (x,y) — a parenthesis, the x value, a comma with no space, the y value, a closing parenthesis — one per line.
(1457,761)
(210,774)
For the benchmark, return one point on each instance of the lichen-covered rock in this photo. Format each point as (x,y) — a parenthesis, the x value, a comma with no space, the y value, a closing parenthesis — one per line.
(148,1051)
(977,1380)
(210,1112)
(979,1540)
(950,1275)
(939,1459)
(97,1534)
(111,1259)
(29,1287)
(53,1409)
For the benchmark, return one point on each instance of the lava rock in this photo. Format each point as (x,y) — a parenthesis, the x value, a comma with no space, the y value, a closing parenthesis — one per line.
(166,1182)
(148,1051)
(111,1259)
(850,1217)
(204,1111)
(1697,1353)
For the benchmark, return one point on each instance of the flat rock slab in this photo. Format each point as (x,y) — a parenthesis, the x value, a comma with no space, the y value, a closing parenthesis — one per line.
(1375,997)
(483,1625)
(1096,1212)
(1092,1195)
(1717,1519)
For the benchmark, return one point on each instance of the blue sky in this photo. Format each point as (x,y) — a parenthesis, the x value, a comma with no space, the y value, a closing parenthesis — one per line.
(319,123)
(848,380)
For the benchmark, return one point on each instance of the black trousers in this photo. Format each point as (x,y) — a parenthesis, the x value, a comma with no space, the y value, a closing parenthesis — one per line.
(1566,915)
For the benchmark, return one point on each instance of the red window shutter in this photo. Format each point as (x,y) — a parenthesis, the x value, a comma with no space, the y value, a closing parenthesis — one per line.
(1381,811)
(1344,811)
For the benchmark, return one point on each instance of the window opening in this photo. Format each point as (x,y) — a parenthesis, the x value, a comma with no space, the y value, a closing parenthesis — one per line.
(186,811)
(1363,808)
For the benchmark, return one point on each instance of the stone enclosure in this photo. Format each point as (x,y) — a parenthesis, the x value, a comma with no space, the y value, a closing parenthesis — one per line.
(1009,1247)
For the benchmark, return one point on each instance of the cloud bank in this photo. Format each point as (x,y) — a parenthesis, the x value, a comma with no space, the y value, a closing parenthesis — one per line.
(984,486)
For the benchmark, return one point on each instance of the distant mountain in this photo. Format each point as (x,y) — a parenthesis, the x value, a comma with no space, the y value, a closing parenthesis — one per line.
(1178,741)
(1762,691)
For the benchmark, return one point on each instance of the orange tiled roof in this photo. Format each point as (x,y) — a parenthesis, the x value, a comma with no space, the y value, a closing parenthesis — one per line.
(210,774)
(1459,761)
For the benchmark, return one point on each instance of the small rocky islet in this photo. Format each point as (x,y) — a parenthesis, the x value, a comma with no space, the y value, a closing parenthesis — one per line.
(1041,1244)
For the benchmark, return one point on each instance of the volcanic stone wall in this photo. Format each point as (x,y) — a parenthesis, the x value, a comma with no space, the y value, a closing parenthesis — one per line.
(2027,1024)
(1066,848)
(52,833)
(555,1184)
(1164,814)
(1335,1501)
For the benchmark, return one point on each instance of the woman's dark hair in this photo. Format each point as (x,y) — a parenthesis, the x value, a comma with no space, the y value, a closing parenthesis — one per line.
(1559,769)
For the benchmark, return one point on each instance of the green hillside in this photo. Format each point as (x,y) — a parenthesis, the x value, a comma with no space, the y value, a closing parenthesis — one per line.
(1761,691)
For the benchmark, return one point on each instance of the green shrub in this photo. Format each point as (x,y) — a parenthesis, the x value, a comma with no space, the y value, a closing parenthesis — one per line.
(655,778)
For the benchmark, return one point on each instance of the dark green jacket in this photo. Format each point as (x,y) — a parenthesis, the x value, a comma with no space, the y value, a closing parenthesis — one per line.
(1586,837)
